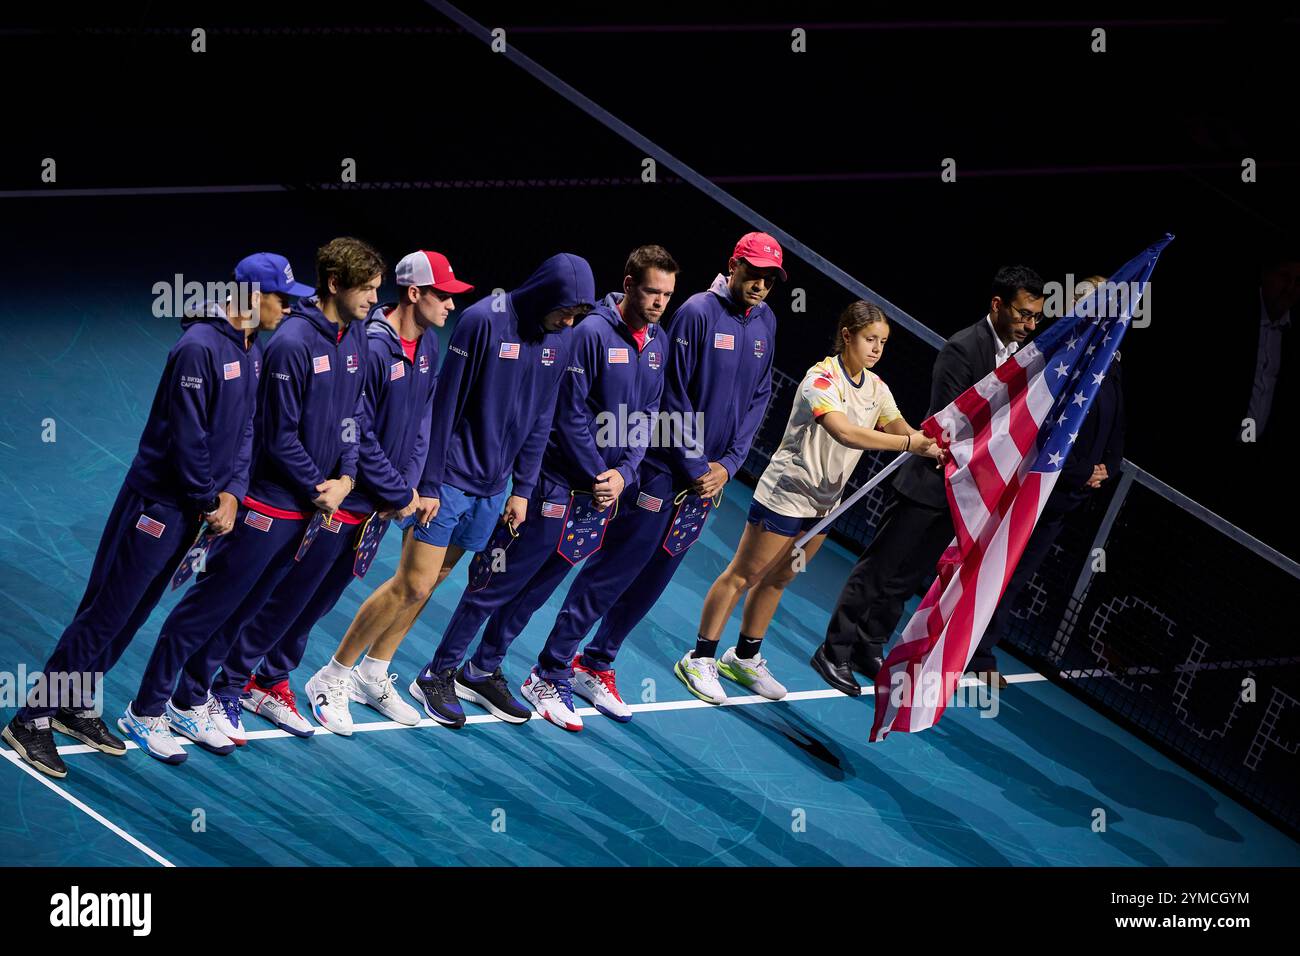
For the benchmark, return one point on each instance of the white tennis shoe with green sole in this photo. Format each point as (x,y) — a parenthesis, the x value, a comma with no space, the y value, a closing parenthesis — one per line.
(700,675)
(752,674)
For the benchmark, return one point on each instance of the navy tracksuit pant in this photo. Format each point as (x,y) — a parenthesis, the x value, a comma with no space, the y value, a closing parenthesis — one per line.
(129,577)
(279,631)
(533,570)
(633,552)
(242,570)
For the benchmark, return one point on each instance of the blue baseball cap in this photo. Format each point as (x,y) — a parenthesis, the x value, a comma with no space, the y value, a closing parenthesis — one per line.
(272,273)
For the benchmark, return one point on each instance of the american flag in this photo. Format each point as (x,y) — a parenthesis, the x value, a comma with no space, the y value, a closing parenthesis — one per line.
(259,521)
(648,502)
(509,350)
(552,509)
(618,356)
(1008,436)
(398,370)
(150,526)
(723,340)
(231,370)
(320,363)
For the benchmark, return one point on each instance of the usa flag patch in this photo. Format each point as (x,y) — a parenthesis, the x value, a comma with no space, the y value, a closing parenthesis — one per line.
(551,509)
(331,524)
(150,526)
(258,521)
(398,371)
(231,370)
(508,350)
(722,340)
(320,363)
(618,356)
(648,502)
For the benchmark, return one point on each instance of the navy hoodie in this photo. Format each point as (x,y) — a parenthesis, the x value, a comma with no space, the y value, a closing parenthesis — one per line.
(308,411)
(719,365)
(396,405)
(199,438)
(606,377)
(496,394)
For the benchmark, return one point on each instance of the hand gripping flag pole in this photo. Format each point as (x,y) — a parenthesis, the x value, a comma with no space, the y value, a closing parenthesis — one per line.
(849,502)
(1007,438)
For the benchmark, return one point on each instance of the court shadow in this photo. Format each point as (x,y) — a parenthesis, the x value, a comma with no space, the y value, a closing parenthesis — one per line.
(796,735)
(729,798)
(1025,786)
(34,614)
(1115,770)
(933,826)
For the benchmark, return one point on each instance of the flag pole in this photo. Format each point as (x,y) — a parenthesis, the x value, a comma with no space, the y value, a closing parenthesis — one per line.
(876,479)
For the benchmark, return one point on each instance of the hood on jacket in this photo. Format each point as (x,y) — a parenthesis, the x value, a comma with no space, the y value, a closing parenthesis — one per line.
(562,281)
(214,314)
(722,290)
(379,329)
(608,310)
(309,308)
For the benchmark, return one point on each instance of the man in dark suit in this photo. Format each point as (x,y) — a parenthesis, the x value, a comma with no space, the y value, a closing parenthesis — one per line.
(916,526)
(1094,459)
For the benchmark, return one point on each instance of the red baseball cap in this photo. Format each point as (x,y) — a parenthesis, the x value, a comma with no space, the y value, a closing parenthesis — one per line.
(760,250)
(429,268)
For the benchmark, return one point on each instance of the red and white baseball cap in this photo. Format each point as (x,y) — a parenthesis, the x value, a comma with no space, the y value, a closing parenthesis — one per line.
(429,268)
(760,250)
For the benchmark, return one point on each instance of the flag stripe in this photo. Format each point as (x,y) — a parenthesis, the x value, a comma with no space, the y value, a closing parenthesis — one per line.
(1008,437)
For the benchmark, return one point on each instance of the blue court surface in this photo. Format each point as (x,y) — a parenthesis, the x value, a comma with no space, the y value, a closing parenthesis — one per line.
(752,783)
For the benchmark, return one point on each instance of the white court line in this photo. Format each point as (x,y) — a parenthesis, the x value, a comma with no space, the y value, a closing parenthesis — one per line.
(689,704)
(17,761)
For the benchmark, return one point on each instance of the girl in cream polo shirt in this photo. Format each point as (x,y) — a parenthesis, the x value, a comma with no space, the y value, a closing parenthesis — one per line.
(842,408)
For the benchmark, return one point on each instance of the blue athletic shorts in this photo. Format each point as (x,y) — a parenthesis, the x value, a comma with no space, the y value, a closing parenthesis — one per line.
(784,525)
(464,520)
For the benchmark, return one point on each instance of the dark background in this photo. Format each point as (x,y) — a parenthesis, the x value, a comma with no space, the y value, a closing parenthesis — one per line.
(1067,160)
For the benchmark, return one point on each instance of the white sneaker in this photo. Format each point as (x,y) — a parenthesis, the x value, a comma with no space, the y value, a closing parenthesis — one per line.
(229,718)
(751,673)
(381,695)
(152,735)
(599,689)
(276,703)
(700,675)
(553,700)
(329,703)
(197,724)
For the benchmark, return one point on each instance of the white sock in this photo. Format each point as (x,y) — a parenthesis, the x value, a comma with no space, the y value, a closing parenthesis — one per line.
(476,673)
(334,671)
(372,670)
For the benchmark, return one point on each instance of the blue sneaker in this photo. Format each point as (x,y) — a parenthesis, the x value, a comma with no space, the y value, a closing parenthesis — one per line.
(227,713)
(196,723)
(438,697)
(152,735)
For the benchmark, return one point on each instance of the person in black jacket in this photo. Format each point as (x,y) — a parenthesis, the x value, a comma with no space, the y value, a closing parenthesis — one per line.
(916,526)
(1094,459)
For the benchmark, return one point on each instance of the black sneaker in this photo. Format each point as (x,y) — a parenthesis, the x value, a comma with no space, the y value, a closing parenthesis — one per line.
(35,744)
(493,693)
(89,729)
(436,695)
(839,676)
